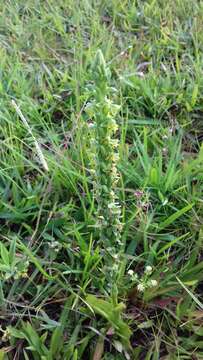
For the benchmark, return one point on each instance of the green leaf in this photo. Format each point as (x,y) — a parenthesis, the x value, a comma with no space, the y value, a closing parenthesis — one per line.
(174,217)
(154,176)
(12,251)
(72,344)
(18,334)
(196,300)
(112,314)
(172,242)
(34,260)
(25,355)
(194,95)
(2,353)
(143,122)
(57,339)
(4,254)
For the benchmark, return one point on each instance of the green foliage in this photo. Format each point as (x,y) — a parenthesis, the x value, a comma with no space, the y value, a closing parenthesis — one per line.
(11,265)
(120,130)
(112,313)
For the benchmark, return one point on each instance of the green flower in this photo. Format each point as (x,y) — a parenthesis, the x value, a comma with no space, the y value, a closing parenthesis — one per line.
(104,157)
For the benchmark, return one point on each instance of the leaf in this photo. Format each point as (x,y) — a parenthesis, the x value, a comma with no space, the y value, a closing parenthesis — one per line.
(194,95)
(4,254)
(154,176)
(2,301)
(12,251)
(172,242)
(35,261)
(146,324)
(196,300)
(143,122)
(75,355)
(35,341)
(5,268)
(2,353)
(198,330)
(32,336)
(174,217)
(112,314)
(72,344)
(100,306)
(25,355)
(18,334)
(57,336)
(118,346)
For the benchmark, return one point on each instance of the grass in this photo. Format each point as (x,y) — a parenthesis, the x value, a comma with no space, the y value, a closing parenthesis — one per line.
(58,297)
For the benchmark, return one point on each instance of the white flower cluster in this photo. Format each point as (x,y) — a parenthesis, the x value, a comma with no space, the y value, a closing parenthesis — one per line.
(148,270)
(144,282)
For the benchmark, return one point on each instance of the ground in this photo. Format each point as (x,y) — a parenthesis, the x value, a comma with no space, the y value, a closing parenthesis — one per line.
(55,301)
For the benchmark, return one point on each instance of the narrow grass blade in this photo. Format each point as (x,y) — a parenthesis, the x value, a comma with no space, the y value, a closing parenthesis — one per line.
(39,151)
(190,293)
(174,217)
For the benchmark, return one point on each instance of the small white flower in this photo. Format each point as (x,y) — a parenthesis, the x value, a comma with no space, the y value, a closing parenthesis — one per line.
(140,73)
(91,125)
(115,267)
(140,287)
(153,283)
(112,205)
(130,272)
(148,270)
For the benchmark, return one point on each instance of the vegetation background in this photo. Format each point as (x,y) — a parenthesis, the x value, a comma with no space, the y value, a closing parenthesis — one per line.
(54,299)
